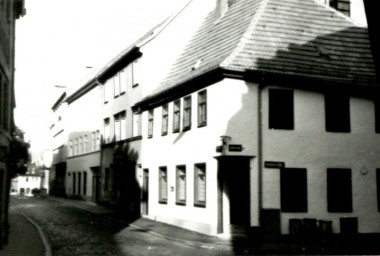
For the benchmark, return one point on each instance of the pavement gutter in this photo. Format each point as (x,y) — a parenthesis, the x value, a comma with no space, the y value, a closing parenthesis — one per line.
(42,235)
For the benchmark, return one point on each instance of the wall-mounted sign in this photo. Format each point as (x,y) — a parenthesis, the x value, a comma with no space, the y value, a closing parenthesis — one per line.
(271,164)
(235,148)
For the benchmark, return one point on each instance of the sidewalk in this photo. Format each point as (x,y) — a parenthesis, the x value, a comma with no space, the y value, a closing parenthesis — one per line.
(24,238)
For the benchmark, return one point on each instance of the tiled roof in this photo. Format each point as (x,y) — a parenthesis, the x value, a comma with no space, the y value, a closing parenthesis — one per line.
(289,37)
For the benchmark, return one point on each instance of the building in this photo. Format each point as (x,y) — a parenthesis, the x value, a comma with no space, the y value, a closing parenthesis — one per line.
(58,130)
(267,120)
(10,11)
(25,184)
(83,140)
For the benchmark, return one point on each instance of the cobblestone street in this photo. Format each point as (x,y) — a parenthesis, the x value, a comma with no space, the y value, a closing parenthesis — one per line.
(73,231)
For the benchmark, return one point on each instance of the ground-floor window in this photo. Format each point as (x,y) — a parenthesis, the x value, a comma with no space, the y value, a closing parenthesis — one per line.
(84,183)
(339,190)
(293,190)
(163,185)
(200,185)
(181,185)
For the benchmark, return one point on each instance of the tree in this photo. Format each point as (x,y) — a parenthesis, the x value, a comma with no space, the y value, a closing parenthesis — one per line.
(18,153)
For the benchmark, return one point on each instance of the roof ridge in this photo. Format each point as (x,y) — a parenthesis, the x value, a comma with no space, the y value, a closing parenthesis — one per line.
(247,33)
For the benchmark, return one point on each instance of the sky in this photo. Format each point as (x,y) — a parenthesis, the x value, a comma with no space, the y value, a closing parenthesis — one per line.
(57,40)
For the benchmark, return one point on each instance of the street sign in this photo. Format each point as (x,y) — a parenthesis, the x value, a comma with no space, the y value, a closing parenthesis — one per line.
(235,148)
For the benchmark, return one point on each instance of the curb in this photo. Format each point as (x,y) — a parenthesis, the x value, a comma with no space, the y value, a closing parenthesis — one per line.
(42,235)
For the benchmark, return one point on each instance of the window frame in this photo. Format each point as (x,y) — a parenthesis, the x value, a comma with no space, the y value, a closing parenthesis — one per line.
(181,185)
(106,130)
(186,122)
(176,116)
(150,123)
(198,169)
(202,108)
(165,120)
(162,185)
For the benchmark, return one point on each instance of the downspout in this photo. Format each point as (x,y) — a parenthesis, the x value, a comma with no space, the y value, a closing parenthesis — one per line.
(260,148)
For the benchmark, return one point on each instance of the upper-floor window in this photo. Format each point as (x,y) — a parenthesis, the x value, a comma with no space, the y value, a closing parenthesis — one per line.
(93,141)
(165,120)
(281,109)
(120,126)
(136,129)
(176,115)
(337,111)
(150,123)
(80,145)
(76,146)
(187,113)
(116,84)
(85,144)
(106,130)
(107,90)
(71,148)
(202,108)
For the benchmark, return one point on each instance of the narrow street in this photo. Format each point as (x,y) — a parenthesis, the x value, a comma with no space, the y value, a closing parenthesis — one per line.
(73,231)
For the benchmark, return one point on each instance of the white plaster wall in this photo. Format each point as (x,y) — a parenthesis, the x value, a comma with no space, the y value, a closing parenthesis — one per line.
(231,105)
(310,146)
(33,182)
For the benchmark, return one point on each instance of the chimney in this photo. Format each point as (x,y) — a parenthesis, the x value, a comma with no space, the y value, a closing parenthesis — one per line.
(341,5)
(220,8)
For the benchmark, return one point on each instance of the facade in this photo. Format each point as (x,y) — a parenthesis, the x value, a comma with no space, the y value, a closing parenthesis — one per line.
(10,10)
(266,121)
(58,129)
(24,184)
(83,140)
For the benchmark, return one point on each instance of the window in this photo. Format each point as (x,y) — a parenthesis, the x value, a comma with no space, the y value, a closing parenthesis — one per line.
(123,125)
(116,84)
(377,115)
(176,115)
(129,70)
(293,182)
(93,141)
(165,119)
(202,108)
(117,127)
(281,109)
(71,148)
(123,81)
(107,90)
(84,183)
(106,130)
(200,185)
(337,109)
(80,145)
(339,190)
(163,185)
(136,129)
(79,182)
(85,144)
(150,123)
(187,113)
(74,183)
(181,185)
(136,72)
(76,147)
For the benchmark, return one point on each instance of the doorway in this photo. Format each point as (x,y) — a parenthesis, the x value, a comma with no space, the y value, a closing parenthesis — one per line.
(233,193)
(145,193)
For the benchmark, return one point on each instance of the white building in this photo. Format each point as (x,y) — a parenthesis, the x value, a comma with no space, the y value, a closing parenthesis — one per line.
(267,116)
(24,184)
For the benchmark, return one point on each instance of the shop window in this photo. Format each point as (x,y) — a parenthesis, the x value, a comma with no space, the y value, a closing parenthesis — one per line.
(293,190)
(339,190)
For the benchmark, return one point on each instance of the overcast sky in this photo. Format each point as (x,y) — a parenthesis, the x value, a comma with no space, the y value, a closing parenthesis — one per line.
(57,39)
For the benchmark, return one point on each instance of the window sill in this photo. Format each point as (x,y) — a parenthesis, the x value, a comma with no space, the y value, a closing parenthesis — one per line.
(186,129)
(135,85)
(176,131)
(202,125)
(150,136)
(164,133)
(122,93)
(162,202)
(200,205)
(180,203)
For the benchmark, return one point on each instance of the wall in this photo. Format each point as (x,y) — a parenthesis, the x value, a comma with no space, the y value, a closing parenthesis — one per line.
(310,146)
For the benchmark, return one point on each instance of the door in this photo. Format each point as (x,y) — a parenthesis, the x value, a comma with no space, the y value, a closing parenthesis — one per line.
(145,193)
